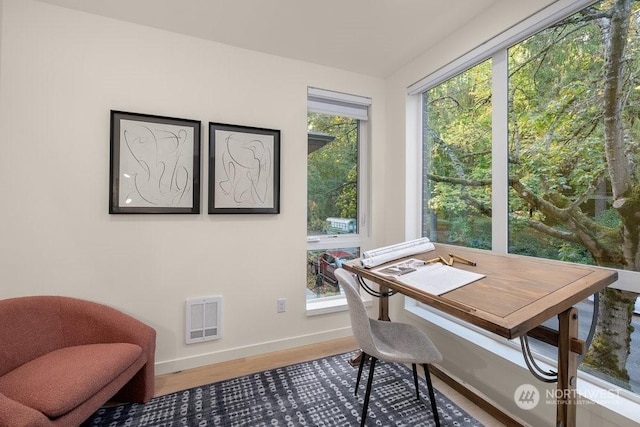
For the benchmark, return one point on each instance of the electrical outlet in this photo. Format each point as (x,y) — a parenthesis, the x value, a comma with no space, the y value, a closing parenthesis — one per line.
(282,305)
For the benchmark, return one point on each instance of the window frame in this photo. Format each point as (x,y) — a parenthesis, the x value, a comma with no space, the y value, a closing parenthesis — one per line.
(497,51)
(354,106)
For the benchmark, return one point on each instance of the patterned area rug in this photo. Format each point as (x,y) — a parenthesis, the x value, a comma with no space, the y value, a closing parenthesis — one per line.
(315,393)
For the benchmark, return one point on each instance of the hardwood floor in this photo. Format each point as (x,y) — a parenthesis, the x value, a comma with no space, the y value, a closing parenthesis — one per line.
(169,383)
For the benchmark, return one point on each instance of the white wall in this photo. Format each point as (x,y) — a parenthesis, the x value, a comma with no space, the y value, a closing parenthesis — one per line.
(61,72)
(475,366)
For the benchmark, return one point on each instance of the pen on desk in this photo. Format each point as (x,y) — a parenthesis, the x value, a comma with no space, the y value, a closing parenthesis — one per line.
(459,306)
(458,257)
(429,261)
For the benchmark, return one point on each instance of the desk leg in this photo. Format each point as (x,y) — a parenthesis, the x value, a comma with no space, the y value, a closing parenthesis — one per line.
(383,304)
(567,369)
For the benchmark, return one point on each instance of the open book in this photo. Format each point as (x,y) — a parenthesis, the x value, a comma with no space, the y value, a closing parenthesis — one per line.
(434,278)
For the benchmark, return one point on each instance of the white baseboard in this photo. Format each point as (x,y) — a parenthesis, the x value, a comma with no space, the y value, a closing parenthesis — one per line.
(190,362)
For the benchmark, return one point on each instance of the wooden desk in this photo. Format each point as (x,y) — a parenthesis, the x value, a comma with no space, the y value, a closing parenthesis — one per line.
(517,295)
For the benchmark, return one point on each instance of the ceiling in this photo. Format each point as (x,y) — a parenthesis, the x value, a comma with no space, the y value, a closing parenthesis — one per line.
(372,37)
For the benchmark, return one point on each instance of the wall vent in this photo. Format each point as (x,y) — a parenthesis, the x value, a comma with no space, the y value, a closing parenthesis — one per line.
(203,319)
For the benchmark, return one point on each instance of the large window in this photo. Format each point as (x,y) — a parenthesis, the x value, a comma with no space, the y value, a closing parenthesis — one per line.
(336,183)
(563,105)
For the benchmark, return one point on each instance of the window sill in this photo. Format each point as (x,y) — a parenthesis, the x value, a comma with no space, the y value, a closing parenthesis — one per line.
(326,306)
(620,401)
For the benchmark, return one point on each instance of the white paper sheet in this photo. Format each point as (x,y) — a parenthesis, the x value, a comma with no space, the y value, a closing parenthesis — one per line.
(435,278)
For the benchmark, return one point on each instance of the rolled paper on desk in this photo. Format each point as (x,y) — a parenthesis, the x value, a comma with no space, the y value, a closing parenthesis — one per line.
(379,256)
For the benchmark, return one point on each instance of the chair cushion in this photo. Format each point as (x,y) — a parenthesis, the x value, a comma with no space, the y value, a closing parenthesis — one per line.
(57,382)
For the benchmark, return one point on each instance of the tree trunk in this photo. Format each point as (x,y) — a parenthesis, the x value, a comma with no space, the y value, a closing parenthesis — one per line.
(611,343)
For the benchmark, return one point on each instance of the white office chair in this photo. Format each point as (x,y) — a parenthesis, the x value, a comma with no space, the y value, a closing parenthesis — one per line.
(387,341)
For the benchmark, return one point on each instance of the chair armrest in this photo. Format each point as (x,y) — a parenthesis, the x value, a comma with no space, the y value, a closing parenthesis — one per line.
(13,413)
(86,322)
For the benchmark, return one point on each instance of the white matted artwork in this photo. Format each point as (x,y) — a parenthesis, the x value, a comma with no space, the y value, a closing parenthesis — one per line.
(155,164)
(244,169)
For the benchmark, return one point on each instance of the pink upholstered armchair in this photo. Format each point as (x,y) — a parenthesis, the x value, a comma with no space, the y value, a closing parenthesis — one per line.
(62,358)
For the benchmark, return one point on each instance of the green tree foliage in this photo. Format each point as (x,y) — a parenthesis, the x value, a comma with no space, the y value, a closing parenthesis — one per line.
(332,172)
(574,147)
(459,143)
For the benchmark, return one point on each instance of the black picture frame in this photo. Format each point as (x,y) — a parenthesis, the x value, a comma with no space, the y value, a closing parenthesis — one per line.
(244,169)
(154,164)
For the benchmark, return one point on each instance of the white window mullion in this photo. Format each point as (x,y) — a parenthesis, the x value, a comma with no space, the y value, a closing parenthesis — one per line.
(363,183)
(500,154)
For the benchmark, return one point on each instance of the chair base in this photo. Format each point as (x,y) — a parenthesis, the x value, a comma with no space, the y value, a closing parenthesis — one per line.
(365,404)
